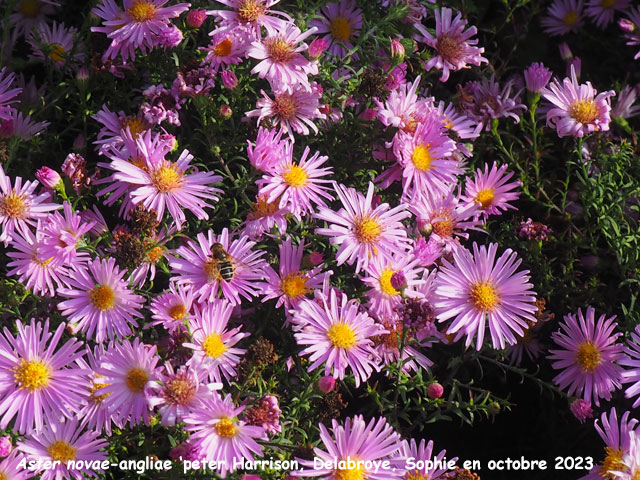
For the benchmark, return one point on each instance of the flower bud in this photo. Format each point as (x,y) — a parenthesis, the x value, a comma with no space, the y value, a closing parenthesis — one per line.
(626,25)
(226,112)
(398,281)
(229,79)
(581,410)
(83,74)
(6,128)
(326,384)
(48,177)
(196,17)
(397,49)
(5,446)
(536,77)
(565,51)
(317,47)
(316,258)
(435,390)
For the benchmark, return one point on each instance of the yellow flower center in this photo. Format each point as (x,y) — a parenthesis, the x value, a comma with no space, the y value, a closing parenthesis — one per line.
(250,10)
(444,228)
(3,476)
(225,428)
(30,8)
(167,179)
(213,346)
(355,473)
(342,335)
(415,475)
(484,296)
(485,197)
(102,297)
(294,285)
(295,177)
(340,29)
(155,254)
(14,206)
(179,391)
(367,230)
(223,48)
(285,106)
(262,208)
(570,19)
(279,49)
(608,3)
(178,312)
(584,111)
(32,375)
(61,451)
(137,379)
(142,11)
(612,463)
(385,282)
(94,388)
(57,53)
(449,48)
(588,356)
(421,158)
(136,126)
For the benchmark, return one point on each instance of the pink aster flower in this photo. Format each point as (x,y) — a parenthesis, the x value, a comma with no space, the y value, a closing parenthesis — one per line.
(356,440)
(424,452)
(269,149)
(173,308)
(294,111)
(485,100)
(360,230)
(602,11)
(35,270)
(581,410)
(341,23)
(216,263)
(298,186)
(94,413)
(100,303)
(62,238)
(403,108)
(179,393)
(130,373)
(631,33)
(227,48)
(588,356)
(563,16)
(478,289)
(250,14)
(445,219)
(29,14)
(159,183)
(282,63)
(338,335)
(56,43)
(456,49)
(624,105)
(115,126)
(632,360)
(266,414)
(490,190)
(456,122)
(537,77)
(20,208)
(10,467)
(292,283)
(383,296)
(388,347)
(7,94)
(37,382)
(62,443)
(263,217)
(426,159)
(213,343)
(578,109)
(617,435)
(138,26)
(21,126)
(218,434)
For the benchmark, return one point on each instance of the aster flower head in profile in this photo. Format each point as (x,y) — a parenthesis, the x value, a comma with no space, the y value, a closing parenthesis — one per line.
(477,289)
(577,109)
(337,334)
(130,373)
(100,303)
(357,440)
(361,230)
(64,442)
(218,266)
(339,23)
(213,342)
(588,356)
(39,382)
(455,47)
(219,435)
